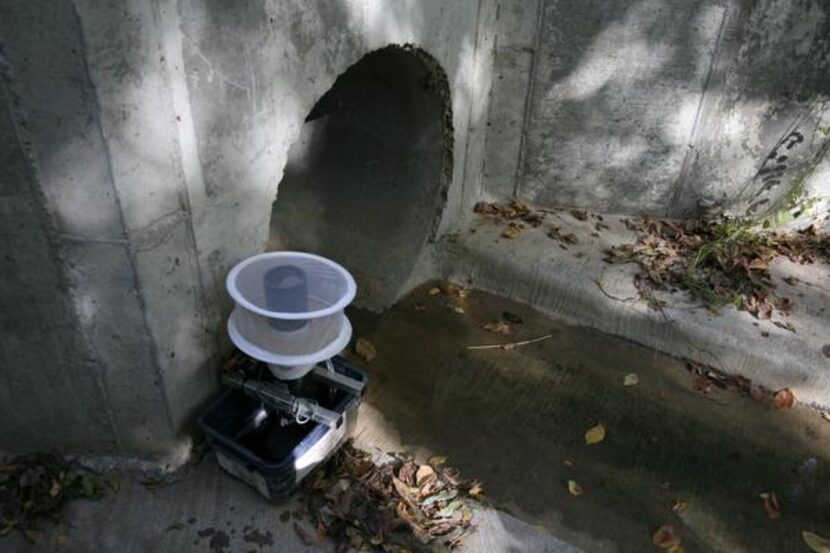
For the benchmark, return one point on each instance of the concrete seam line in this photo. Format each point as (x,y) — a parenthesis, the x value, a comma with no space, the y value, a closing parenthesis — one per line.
(683,175)
(470,101)
(189,162)
(136,284)
(534,62)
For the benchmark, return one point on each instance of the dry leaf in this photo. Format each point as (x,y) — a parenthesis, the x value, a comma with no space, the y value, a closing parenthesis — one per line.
(455,290)
(816,542)
(574,488)
(306,535)
(783,399)
(476,491)
(407,473)
(595,434)
(367,497)
(786,325)
(434,291)
(512,232)
(825,415)
(55,489)
(459,310)
(365,349)
(771,505)
(424,473)
(568,463)
(437,460)
(498,327)
(667,537)
(631,379)
(702,384)
(717,260)
(485,208)
(758,264)
(679,506)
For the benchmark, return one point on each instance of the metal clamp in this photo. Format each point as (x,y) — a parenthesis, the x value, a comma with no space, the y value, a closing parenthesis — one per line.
(277,396)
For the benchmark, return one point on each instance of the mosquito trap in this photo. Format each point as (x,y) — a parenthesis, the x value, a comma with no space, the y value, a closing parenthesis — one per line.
(291,400)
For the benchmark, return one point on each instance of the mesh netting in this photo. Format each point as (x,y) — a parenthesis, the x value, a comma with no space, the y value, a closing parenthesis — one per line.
(312,337)
(290,306)
(291,285)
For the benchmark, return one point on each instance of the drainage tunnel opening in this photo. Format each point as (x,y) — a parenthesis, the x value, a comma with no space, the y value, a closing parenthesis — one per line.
(366,181)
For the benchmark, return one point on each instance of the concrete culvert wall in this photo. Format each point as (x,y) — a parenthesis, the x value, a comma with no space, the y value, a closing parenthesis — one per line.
(366,181)
(145,143)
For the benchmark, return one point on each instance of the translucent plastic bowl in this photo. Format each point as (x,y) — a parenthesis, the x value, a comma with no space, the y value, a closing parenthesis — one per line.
(289,308)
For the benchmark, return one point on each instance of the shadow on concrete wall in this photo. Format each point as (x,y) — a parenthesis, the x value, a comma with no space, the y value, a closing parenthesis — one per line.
(615,100)
(632,103)
(77,362)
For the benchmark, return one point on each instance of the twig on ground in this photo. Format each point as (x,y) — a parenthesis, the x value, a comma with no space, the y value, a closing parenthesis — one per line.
(511,345)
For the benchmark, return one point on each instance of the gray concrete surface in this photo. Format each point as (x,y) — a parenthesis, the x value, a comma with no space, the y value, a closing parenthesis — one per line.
(759,121)
(78,362)
(655,107)
(208,510)
(516,420)
(145,142)
(614,101)
(575,284)
(517,35)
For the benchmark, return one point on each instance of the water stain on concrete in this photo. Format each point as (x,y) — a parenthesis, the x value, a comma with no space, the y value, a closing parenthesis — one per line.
(516,419)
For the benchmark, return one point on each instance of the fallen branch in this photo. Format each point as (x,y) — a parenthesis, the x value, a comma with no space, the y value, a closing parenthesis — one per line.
(511,345)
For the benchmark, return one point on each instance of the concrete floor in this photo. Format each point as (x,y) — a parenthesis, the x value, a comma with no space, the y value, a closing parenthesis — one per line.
(572,283)
(516,419)
(207,510)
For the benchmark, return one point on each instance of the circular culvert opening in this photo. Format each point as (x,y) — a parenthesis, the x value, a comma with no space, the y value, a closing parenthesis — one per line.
(366,181)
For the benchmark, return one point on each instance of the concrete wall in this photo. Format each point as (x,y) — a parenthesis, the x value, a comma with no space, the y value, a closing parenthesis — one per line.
(144,140)
(143,144)
(656,106)
(78,363)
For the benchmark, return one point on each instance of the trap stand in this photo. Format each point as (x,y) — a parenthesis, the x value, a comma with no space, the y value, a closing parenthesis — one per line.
(271,434)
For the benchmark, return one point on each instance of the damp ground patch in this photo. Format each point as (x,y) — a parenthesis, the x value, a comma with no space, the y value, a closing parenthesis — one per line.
(700,458)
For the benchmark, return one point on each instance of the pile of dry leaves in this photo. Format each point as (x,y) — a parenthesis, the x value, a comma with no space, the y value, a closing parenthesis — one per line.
(709,378)
(393,507)
(516,213)
(519,217)
(719,262)
(37,486)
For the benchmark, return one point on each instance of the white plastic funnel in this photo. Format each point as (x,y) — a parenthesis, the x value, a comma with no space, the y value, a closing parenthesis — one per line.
(289,310)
